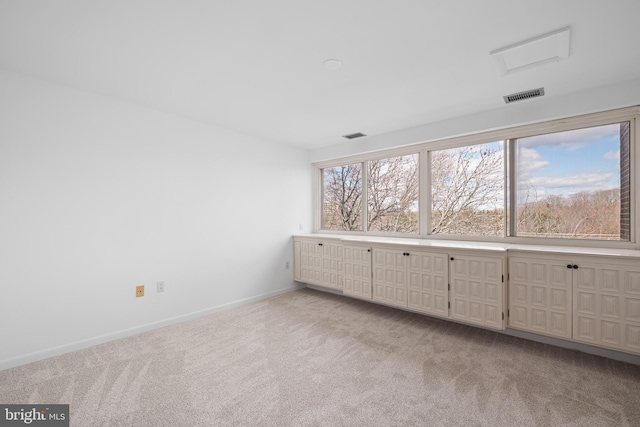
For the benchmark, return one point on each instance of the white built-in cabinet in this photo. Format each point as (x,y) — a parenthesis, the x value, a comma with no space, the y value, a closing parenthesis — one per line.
(465,286)
(357,271)
(540,295)
(308,262)
(319,262)
(584,297)
(477,291)
(592,300)
(390,272)
(428,286)
(411,279)
(606,305)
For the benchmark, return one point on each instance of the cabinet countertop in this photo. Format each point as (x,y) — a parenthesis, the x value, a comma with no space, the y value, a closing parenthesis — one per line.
(481,246)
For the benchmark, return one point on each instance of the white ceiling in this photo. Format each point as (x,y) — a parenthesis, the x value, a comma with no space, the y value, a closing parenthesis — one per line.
(256,66)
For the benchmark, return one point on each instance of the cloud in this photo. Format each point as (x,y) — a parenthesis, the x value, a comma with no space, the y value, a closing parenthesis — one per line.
(530,161)
(538,188)
(572,140)
(612,155)
(590,181)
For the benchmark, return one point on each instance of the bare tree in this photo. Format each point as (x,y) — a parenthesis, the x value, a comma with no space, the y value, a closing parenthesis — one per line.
(587,214)
(393,194)
(342,206)
(467,190)
(537,217)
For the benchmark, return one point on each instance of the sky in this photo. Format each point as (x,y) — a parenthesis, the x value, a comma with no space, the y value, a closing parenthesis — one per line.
(569,162)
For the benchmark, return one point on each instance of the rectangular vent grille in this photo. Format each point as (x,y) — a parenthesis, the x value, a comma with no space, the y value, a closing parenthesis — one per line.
(524,95)
(354,135)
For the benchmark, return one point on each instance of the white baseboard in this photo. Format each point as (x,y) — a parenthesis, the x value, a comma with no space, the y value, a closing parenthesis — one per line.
(79,345)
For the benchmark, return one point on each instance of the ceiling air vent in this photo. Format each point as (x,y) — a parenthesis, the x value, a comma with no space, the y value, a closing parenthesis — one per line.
(354,135)
(524,95)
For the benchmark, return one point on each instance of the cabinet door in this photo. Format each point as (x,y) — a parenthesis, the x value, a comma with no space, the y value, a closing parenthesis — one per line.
(332,265)
(476,290)
(540,296)
(296,261)
(606,306)
(357,271)
(311,262)
(428,283)
(390,276)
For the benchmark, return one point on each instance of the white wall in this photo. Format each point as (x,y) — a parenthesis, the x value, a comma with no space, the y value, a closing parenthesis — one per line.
(530,111)
(98,196)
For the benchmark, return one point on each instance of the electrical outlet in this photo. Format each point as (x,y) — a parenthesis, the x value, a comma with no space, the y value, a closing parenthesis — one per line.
(139,291)
(286,265)
(160,286)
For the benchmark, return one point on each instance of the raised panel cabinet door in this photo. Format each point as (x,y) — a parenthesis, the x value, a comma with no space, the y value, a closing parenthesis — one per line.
(296,261)
(390,276)
(606,305)
(540,296)
(428,281)
(311,262)
(476,290)
(356,261)
(332,267)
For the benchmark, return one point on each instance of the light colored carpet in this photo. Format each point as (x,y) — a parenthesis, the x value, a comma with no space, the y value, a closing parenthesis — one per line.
(308,358)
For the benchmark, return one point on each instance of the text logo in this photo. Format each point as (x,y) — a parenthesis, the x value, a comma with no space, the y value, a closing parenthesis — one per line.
(34,415)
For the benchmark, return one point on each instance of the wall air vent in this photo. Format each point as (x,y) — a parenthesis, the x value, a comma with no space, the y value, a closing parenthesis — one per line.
(524,95)
(354,135)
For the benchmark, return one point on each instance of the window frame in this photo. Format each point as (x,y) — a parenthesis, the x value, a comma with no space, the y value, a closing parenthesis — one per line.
(508,136)
(318,186)
(362,192)
(366,193)
(504,183)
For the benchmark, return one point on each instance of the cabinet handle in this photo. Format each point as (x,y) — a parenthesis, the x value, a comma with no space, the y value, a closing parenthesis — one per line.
(569,266)
(575,266)
(319,244)
(451,258)
(368,250)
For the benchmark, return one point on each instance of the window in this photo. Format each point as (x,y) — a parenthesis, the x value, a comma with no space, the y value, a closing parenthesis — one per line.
(392,194)
(391,200)
(569,184)
(342,198)
(467,190)
(570,179)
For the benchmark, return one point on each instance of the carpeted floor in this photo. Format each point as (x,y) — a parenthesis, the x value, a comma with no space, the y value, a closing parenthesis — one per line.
(308,358)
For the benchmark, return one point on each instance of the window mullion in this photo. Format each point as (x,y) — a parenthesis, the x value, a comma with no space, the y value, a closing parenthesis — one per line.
(634,179)
(424,196)
(511,189)
(318,200)
(365,196)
